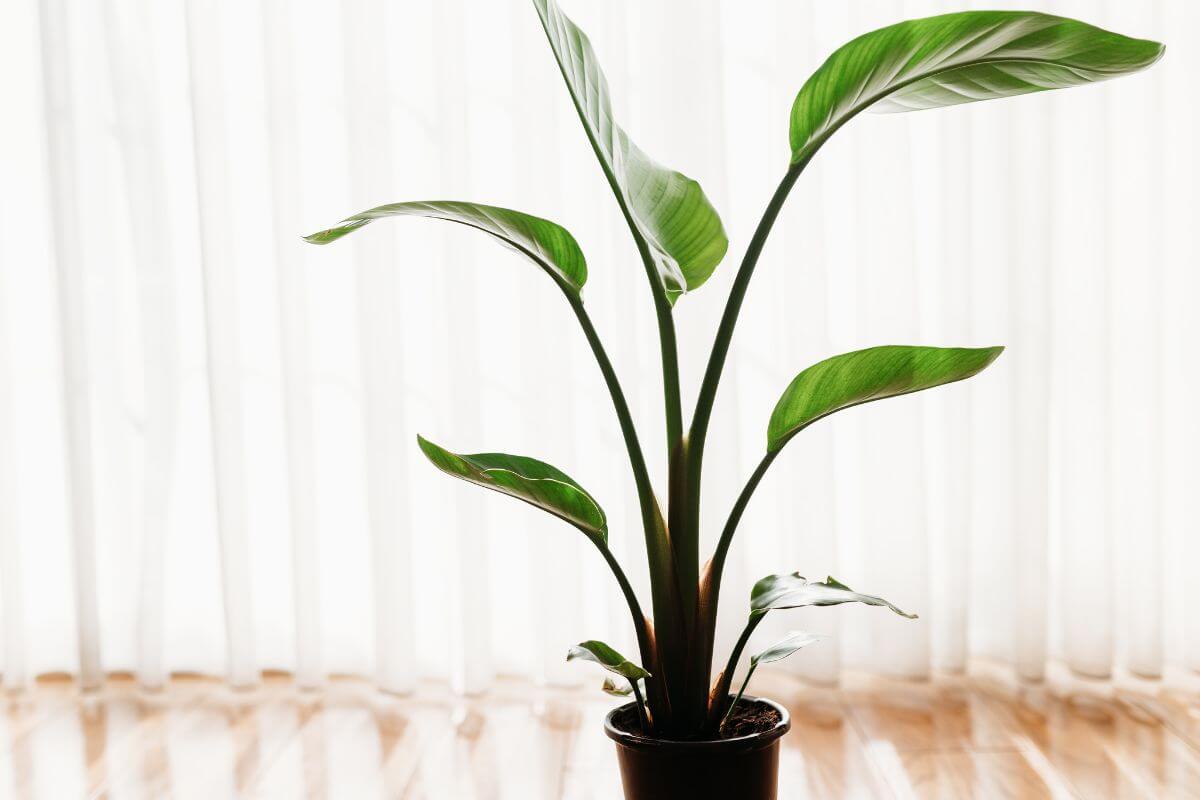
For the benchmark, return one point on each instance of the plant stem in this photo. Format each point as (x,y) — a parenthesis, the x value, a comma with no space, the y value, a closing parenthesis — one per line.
(738,696)
(641,707)
(720,348)
(637,460)
(731,524)
(662,574)
(721,693)
(635,608)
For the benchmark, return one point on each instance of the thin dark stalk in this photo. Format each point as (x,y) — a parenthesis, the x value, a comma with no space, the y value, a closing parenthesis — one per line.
(646,500)
(635,608)
(731,524)
(720,348)
(641,707)
(720,696)
(737,697)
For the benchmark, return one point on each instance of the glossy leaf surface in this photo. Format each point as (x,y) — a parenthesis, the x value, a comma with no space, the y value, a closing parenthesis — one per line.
(608,658)
(668,210)
(865,375)
(528,479)
(546,243)
(957,58)
(794,591)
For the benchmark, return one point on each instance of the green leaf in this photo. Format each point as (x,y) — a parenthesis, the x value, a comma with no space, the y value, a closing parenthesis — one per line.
(528,479)
(546,243)
(865,375)
(957,58)
(617,688)
(608,658)
(668,211)
(793,591)
(785,647)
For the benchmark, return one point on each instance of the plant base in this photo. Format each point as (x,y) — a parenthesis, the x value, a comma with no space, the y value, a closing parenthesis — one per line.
(739,768)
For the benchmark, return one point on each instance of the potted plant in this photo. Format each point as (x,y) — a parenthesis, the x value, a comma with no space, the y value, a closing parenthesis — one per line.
(684,734)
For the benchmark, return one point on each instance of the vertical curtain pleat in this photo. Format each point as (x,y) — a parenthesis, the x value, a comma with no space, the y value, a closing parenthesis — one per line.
(1134,242)
(282,124)
(1180,189)
(221,334)
(69,263)
(128,38)
(1029,352)
(373,180)
(1080,223)
(465,523)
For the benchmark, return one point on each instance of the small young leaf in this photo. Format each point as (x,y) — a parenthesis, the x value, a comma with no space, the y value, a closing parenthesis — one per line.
(785,647)
(776,652)
(527,479)
(793,591)
(865,375)
(617,688)
(543,242)
(608,658)
(669,211)
(957,58)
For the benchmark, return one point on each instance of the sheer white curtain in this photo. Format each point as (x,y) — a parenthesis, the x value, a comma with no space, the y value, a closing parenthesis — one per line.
(207,456)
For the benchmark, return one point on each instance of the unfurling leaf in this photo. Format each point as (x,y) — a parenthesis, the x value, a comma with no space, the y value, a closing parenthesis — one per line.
(546,243)
(865,375)
(957,58)
(785,647)
(794,591)
(608,658)
(668,211)
(528,479)
(617,688)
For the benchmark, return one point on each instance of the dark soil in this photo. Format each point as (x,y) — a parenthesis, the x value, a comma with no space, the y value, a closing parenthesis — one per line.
(750,718)
(746,719)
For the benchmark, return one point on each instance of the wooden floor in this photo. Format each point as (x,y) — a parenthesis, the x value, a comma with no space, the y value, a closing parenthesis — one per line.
(200,740)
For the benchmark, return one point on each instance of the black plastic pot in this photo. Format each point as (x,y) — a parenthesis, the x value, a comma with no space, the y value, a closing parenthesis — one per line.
(742,768)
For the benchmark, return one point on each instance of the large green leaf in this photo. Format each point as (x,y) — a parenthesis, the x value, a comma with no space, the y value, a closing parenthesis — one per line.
(528,479)
(794,591)
(546,243)
(608,658)
(667,210)
(865,375)
(957,58)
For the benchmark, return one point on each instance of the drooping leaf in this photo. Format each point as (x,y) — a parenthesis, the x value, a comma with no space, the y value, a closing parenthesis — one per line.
(546,243)
(608,658)
(617,688)
(785,647)
(794,591)
(865,375)
(668,210)
(957,58)
(528,479)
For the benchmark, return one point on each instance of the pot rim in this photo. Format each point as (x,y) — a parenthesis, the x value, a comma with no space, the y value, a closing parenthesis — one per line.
(751,741)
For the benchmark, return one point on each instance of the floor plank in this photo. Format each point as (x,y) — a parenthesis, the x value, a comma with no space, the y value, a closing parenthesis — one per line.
(944,739)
